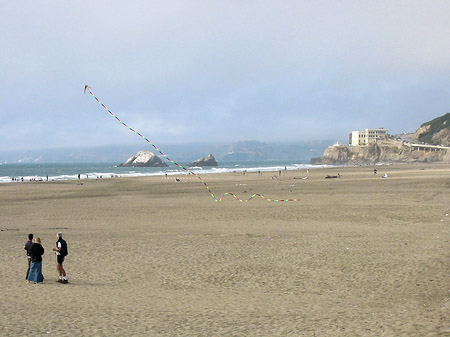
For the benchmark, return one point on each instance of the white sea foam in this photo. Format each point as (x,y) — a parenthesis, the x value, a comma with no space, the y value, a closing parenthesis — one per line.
(60,172)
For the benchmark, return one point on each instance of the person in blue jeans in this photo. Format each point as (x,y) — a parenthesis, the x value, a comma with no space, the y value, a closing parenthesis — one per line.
(36,252)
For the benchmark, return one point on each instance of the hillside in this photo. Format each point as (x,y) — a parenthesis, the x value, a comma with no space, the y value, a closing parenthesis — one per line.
(436,132)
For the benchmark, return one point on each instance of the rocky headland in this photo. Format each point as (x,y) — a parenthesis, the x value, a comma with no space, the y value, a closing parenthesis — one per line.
(428,144)
(385,151)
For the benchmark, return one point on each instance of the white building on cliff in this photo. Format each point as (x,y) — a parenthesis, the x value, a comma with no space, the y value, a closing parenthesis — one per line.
(366,137)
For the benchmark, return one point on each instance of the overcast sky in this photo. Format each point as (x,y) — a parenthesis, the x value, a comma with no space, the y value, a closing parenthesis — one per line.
(190,71)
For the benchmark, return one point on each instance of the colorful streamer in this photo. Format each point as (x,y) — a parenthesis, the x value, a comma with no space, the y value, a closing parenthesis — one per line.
(88,88)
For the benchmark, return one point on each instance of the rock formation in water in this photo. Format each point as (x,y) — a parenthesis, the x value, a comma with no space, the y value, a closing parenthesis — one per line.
(208,161)
(144,158)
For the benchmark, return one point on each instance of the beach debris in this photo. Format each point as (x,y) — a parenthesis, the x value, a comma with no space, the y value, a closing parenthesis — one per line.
(384,176)
(332,177)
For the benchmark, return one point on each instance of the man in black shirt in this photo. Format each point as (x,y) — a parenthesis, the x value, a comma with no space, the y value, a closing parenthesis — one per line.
(61,252)
(27,248)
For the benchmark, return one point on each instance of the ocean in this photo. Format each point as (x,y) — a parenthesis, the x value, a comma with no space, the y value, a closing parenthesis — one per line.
(55,172)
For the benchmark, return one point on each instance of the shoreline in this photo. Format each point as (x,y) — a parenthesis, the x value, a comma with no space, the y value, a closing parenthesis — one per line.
(108,170)
(207,171)
(356,256)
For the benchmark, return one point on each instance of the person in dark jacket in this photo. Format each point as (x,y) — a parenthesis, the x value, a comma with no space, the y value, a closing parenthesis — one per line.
(27,248)
(36,252)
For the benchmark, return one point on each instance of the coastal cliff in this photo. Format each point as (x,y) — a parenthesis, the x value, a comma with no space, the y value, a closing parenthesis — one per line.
(427,144)
(386,151)
(436,132)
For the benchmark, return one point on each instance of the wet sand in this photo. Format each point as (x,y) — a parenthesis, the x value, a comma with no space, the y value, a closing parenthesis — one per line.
(356,256)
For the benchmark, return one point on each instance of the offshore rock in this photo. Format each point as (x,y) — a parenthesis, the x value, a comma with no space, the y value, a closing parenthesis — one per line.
(144,158)
(208,161)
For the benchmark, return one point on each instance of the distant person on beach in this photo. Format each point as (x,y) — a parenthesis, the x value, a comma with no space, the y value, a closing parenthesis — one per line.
(36,252)
(28,249)
(61,252)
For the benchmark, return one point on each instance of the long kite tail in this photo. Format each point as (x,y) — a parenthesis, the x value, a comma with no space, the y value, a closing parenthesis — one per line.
(88,88)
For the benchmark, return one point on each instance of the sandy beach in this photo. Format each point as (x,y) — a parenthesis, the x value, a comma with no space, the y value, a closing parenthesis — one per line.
(356,256)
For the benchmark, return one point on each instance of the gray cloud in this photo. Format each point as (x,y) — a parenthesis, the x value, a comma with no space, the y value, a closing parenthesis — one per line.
(200,70)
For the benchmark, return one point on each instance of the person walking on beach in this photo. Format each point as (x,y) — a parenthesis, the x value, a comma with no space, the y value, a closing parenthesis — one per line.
(36,252)
(28,249)
(61,252)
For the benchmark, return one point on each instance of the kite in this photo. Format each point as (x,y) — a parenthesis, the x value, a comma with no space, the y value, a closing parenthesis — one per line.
(88,88)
